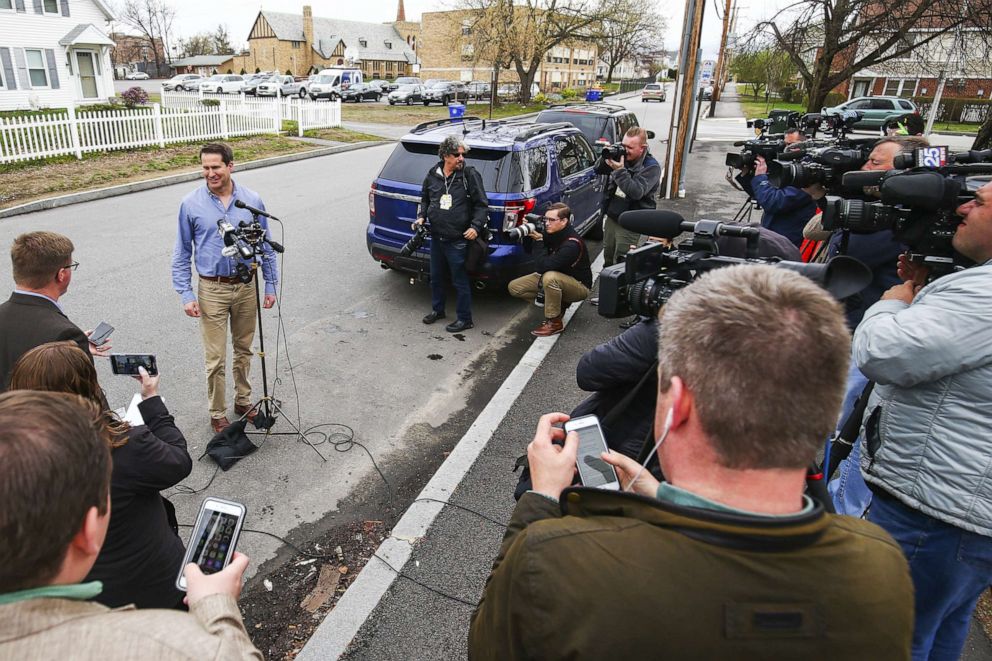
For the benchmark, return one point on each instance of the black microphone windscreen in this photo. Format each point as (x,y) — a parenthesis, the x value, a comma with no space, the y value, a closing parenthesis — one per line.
(652,222)
(239,204)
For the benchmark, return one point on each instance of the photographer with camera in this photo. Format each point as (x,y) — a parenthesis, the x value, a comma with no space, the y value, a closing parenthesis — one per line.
(455,204)
(562,272)
(222,293)
(635,177)
(925,456)
(727,558)
(55,493)
(787,209)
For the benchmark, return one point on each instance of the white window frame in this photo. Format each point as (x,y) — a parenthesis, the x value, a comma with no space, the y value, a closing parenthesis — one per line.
(44,68)
(44,10)
(12,7)
(3,83)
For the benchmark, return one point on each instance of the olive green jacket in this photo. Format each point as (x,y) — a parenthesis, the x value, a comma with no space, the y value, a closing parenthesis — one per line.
(609,575)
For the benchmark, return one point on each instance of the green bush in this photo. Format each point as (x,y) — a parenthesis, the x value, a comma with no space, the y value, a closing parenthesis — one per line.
(210,102)
(288,72)
(134,96)
(788,93)
(540,98)
(243,72)
(257,70)
(229,71)
(834,99)
(568,94)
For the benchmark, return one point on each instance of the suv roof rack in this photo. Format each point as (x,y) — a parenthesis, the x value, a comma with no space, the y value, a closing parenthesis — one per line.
(420,128)
(541,128)
(610,107)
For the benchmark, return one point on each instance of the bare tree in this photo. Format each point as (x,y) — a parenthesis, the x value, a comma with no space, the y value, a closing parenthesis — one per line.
(522,33)
(828,41)
(198,44)
(153,21)
(630,28)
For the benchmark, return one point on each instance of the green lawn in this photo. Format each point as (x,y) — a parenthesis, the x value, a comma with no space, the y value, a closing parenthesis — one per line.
(758,108)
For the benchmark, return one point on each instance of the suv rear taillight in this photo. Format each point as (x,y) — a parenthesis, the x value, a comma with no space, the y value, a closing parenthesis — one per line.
(372,201)
(516,210)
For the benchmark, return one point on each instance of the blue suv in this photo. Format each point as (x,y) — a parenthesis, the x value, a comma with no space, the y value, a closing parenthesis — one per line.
(525,168)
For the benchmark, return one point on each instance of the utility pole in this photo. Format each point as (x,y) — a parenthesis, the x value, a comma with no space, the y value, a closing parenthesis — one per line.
(685,100)
(721,60)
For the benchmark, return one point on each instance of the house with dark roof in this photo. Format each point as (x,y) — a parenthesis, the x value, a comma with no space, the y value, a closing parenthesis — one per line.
(304,43)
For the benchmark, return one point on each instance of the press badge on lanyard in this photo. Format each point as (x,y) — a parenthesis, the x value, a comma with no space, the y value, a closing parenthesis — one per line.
(445,202)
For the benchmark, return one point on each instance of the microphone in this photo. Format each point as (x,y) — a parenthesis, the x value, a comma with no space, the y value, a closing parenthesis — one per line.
(654,222)
(258,212)
(233,245)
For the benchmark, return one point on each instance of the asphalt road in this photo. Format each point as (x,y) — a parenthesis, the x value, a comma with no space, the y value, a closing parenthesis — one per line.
(358,347)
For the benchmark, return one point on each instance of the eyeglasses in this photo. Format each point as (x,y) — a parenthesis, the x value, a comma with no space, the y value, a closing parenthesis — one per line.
(551,220)
(71,267)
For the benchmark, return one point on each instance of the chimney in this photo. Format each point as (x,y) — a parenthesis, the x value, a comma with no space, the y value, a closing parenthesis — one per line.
(400,13)
(307,26)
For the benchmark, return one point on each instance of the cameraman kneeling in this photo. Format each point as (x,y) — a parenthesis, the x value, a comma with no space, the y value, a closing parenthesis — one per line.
(562,271)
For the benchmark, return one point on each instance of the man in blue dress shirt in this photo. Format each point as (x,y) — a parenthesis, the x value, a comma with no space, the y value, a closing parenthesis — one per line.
(220,294)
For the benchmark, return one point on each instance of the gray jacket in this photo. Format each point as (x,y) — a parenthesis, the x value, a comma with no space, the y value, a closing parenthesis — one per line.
(928,426)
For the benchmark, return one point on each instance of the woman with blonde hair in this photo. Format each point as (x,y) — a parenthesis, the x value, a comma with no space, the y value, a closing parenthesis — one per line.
(141,556)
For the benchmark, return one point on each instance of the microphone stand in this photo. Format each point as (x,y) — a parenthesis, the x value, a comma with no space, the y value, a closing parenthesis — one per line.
(267,408)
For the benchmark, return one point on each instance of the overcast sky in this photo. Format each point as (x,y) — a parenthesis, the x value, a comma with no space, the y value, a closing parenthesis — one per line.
(193,16)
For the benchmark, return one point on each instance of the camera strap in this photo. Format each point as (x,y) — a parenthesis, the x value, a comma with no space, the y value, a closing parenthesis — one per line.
(581,250)
(843,441)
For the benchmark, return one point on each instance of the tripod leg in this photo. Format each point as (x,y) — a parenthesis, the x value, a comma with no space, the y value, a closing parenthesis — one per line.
(278,410)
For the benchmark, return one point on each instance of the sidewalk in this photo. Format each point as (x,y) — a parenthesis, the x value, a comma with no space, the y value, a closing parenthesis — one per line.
(415,621)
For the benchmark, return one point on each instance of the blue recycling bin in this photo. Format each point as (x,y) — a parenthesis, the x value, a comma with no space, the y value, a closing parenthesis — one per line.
(594,95)
(456,110)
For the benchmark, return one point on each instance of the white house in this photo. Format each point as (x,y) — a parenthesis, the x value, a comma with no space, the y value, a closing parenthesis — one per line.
(54,53)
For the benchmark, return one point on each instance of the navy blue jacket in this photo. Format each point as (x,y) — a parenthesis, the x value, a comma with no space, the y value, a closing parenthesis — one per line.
(880,252)
(786,210)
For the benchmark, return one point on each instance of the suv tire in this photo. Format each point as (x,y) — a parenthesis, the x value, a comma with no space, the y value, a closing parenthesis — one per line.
(408,102)
(445,100)
(180,88)
(426,103)
(303,93)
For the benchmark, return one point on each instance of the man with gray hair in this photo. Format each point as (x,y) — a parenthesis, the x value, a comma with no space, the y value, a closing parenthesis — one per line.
(455,205)
(728,558)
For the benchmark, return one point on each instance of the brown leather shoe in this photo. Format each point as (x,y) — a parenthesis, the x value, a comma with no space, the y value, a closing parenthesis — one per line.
(241,409)
(549,327)
(219,424)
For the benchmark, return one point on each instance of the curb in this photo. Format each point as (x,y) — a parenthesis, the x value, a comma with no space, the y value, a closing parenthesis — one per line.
(334,634)
(168,180)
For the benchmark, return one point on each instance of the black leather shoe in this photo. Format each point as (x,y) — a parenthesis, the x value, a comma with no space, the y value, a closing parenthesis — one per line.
(459,326)
(433,316)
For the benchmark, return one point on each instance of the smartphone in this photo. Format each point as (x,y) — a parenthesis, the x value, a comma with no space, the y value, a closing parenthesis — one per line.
(593,471)
(128,363)
(101,334)
(211,545)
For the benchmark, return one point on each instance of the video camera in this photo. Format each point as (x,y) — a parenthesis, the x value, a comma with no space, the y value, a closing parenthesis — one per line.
(614,152)
(824,166)
(652,273)
(918,205)
(752,149)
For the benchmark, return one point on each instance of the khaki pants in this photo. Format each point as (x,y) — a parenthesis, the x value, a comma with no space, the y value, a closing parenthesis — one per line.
(616,241)
(218,302)
(559,291)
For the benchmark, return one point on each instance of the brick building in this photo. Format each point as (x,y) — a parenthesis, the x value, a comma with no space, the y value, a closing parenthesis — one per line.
(132,53)
(448,53)
(304,43)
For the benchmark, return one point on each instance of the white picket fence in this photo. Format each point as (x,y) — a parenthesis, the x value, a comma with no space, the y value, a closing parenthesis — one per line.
(77,132)
(306,113)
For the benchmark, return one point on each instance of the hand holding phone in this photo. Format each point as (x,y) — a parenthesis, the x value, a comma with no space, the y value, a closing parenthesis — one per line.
(226,581)
(100,334)
(593,471)
(211,544)
(128,363)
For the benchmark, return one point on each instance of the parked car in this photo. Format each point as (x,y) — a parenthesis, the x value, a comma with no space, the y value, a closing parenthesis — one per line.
(404,80)
(876,109)
(281,86)
(525,167)
(360,92)
(222,83)
(601,123)
(406,94)
(383,87)
(511,91)
(653,92)
(252,81)
(479,89)
(445,93)
(136,75)
(325,86)
(182,82)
